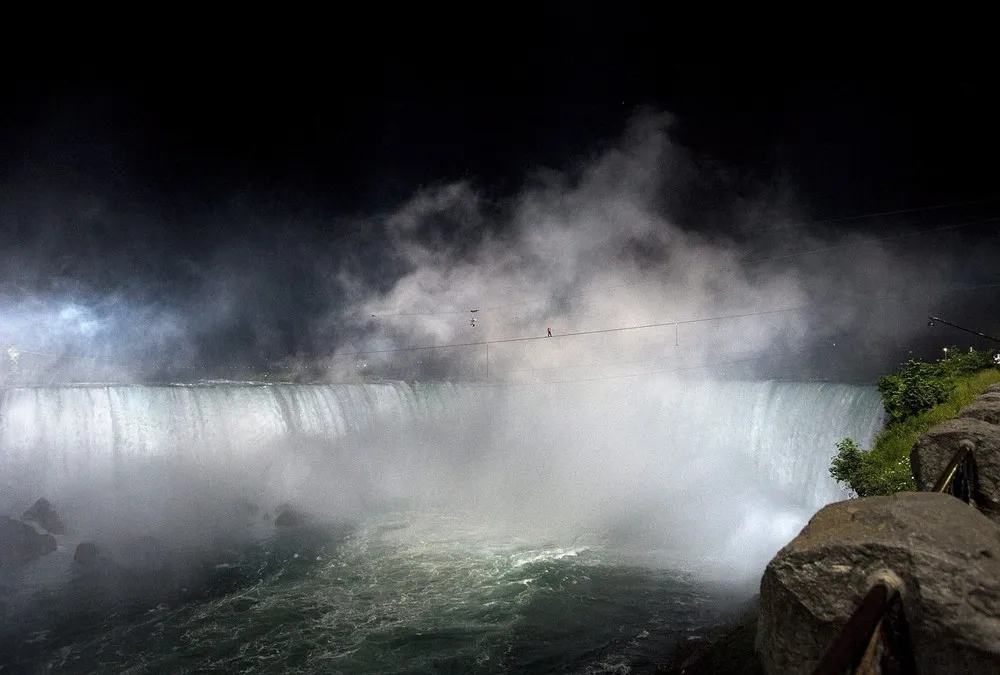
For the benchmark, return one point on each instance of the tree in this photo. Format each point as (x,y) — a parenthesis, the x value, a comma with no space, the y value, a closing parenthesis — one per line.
(848,467)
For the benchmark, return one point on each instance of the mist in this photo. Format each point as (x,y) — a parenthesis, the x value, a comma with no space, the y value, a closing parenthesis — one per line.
(607,427)
(614,244)
(718,475)
(129,286)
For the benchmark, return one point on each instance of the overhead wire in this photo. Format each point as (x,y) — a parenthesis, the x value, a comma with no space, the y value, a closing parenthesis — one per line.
(641,283)
(616,329)
(661,324)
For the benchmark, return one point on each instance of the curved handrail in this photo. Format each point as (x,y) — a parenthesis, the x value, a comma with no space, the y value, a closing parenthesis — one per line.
(875,639)
(962,459)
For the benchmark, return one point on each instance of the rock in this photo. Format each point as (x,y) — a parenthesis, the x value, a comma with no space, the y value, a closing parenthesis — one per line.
(985,408)
(946,554)
(87,554)
(289,517)
(42,513)
(934,450)
(21,543)
(728,649)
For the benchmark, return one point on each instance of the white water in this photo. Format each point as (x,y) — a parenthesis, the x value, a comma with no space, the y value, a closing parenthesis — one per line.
(728,470)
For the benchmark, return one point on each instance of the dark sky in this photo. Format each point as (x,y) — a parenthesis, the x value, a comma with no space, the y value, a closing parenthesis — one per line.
(301,139)
(363,132)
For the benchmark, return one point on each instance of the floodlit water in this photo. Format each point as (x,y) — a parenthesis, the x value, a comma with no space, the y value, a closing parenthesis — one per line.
(453,528)
(391,595)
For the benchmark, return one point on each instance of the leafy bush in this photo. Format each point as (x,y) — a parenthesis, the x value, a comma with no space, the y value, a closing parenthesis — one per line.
(916,397)
(847,466)
(961,363)
(918,386)
(915,387)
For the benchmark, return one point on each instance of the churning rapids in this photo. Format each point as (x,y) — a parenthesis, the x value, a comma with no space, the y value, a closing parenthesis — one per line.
(447,527)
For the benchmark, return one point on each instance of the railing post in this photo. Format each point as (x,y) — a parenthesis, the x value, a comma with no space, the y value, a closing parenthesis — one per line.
(875,640)
(962,462)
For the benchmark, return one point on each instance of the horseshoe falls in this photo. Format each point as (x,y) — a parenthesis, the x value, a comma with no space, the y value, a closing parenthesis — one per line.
(456,527)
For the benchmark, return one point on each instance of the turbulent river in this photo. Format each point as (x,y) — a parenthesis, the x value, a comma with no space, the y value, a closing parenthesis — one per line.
(445,527)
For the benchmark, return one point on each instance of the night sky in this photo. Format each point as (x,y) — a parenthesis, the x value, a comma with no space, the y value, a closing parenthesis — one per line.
(118,179)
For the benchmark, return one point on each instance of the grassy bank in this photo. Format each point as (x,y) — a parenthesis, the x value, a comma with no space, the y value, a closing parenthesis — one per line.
(916,398)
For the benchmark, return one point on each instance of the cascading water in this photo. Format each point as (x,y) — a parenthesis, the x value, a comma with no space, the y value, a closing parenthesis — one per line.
(477,510)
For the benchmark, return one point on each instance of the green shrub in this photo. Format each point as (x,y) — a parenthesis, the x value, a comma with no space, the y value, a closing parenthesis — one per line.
(847,466)
(916,397)
(915,387)
(961,363)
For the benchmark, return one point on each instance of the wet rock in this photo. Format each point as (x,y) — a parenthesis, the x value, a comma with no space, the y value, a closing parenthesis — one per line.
(945,554)
(728,649)
(41,512)
(289,517)
(87,554)
(935,449)
(21,543)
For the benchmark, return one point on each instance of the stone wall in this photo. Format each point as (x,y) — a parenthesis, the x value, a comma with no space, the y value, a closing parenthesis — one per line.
(979,422)
(942,554)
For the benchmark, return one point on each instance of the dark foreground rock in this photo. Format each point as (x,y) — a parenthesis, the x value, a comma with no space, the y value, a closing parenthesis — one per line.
(935,449)
(21,543)
(87,554)
(41,512)
(945,554)
(726,650)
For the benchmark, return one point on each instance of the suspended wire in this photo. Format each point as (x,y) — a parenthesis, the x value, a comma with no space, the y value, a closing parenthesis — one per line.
(627,285)
(480,343)
(663,324)
(916,209)
(601,364)
(755,261)
(875,240)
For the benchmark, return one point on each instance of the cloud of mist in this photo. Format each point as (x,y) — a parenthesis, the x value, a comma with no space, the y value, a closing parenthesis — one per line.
(609,245)
(644,232)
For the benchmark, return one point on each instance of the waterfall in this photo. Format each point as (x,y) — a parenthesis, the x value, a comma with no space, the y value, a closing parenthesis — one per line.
(694,449)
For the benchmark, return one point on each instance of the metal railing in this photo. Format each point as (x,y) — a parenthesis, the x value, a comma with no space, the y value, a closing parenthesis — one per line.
(876,639)
(959,477)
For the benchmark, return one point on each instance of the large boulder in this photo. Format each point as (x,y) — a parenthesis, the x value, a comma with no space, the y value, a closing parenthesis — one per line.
(935,449)
(985,407)
(21,543)
(87,554)
(41,512)
(945,554)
